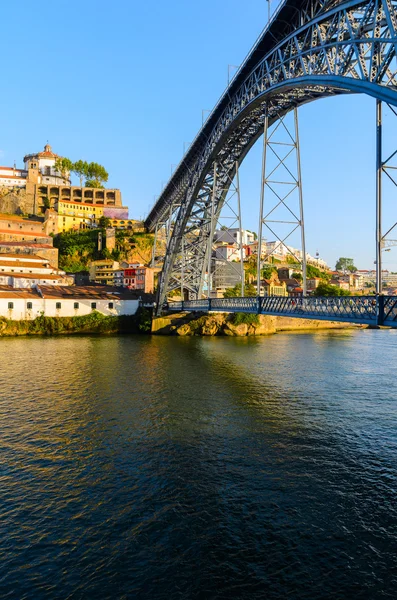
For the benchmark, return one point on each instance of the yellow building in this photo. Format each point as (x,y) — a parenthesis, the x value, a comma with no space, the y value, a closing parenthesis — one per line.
(273,288)
(74,215)
(136,226)
(104,271)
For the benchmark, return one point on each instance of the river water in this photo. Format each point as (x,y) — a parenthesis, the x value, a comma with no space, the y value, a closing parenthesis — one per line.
(162,468)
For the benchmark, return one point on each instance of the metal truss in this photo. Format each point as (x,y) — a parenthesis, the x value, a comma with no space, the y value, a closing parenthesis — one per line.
(162,236)
(310,49)
(386,168)
(281,190)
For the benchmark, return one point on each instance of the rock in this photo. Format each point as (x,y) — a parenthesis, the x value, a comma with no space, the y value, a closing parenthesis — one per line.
(184,329)
(209,327)
(237,330)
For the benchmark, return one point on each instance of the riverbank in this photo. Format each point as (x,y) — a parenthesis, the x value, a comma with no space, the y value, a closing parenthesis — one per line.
(181,324)
(94,323)
(237,324)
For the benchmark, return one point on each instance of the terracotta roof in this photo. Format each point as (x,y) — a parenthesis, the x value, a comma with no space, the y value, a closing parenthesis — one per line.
(13,169)
(26,244)
(13,176)
(6,291)
(46,153)
(21,263)
(5,217)
(84,292)
(20,232)
(31,275)
(21,256)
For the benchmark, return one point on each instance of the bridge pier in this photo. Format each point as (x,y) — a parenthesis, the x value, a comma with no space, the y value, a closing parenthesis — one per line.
(281,186)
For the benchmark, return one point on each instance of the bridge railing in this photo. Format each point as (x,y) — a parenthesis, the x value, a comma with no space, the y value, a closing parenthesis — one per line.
(353,309)
(371,310)
(389,311)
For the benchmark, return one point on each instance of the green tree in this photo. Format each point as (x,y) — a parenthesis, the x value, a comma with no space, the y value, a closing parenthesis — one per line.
(80,168)
(312,271)
(298,276)
(268,271)
(104,222)
(325,289)
(96,175)
(345,264)
(46,202)
(235,292)
(64,166)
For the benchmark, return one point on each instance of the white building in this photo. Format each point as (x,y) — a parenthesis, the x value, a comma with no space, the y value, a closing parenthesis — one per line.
(27,263)
(50,301)
(12,177)
(230,252)
(43,162)
(26,271)
(232,236)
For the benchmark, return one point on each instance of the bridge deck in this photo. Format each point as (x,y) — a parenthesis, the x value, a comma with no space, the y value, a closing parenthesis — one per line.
(366,310)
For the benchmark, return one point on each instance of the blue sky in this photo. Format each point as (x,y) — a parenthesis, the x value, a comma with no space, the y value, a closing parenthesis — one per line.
(124,84)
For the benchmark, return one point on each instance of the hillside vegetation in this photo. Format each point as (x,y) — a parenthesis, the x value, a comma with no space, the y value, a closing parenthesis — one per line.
(77,249)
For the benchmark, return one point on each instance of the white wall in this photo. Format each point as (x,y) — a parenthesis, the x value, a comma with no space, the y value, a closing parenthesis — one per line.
(48,307)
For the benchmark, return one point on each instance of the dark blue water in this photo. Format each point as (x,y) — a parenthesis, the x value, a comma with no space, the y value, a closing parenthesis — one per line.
(162,468)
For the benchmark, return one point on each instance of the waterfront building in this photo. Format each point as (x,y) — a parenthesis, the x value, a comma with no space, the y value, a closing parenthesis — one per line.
(103,271)
(26,263)
(34,249)
(27,271)
(118,277)
(138,277)
(52,301)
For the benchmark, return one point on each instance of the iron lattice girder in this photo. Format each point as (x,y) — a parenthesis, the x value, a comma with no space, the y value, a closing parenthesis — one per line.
(326,48)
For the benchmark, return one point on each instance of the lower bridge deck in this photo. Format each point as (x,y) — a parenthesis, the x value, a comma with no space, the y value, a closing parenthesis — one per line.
(366,310)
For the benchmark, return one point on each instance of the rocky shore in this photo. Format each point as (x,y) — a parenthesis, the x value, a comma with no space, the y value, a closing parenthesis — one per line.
(183,324)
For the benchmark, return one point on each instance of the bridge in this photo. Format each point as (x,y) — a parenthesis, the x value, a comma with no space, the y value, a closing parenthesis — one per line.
(364,310)
(310,49)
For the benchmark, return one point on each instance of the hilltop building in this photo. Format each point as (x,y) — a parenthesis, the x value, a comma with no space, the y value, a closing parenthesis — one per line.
(45,186)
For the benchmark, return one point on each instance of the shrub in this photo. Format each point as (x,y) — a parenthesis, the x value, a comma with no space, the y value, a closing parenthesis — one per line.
(245,318)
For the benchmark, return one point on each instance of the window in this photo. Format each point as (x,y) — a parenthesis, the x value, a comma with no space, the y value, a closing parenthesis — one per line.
(93,305)
(10,305)
(110,304)
(76,305)
(29,305)
(58,305)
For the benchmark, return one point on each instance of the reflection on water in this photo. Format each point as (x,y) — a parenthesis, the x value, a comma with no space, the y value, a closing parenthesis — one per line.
(158,467)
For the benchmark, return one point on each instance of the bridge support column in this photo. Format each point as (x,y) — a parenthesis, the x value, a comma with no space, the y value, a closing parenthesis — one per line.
(379,197)
(211,230)
(281,184)
(240,230)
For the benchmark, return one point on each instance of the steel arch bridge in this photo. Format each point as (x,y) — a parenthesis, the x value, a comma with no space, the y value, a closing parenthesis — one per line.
(310,49)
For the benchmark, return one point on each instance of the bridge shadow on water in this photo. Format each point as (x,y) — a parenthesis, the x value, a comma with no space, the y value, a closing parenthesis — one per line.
(282,484)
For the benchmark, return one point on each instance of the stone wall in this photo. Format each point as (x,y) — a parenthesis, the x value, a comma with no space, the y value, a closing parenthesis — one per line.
(15,201)
(222,324)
